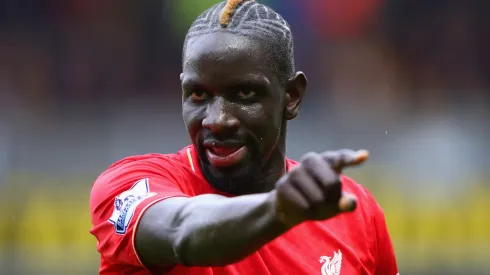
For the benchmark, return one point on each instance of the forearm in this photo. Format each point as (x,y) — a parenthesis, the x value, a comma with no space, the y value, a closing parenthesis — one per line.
(223,231)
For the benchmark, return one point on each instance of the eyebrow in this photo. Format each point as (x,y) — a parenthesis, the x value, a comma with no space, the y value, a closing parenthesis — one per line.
(250,79)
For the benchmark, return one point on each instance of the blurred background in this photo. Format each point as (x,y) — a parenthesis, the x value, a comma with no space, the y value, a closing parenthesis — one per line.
(85,83)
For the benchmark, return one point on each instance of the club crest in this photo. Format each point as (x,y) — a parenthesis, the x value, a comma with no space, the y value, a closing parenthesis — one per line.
(331,265)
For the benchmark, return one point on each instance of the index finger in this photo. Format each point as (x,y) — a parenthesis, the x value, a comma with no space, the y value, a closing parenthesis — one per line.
(344,158)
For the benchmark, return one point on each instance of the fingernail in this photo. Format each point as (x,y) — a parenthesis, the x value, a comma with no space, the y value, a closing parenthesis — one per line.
(362,155)
(352,205)
(362,152)
(347,204)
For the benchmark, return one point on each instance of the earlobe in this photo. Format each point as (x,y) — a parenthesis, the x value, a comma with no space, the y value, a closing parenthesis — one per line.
(295,91)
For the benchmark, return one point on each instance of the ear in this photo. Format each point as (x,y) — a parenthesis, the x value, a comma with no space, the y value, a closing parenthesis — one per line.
(181,77)
(295,91)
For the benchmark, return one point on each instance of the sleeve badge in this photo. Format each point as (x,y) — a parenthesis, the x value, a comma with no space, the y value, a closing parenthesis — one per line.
(125,205)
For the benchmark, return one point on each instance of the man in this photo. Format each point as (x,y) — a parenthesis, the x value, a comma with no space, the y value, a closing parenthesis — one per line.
(232,203)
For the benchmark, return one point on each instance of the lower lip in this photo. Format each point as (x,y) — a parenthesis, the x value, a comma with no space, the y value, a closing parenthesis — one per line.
(228,160)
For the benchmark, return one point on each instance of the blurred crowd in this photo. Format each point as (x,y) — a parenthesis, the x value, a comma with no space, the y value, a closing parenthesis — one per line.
(84,83)
(423,56)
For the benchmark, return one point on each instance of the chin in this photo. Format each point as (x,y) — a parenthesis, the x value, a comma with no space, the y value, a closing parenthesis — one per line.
(242,170)
(239,179)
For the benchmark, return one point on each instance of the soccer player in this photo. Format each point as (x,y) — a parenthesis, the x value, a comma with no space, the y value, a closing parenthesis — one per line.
(232,202)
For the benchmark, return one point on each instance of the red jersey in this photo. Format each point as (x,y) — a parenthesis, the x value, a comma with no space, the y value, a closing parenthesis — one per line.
(350,243)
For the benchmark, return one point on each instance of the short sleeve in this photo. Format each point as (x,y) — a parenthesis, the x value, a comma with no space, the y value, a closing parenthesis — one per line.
(118,199)
(386,264)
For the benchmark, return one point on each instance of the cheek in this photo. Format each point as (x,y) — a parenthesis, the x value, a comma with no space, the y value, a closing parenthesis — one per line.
(192,120)
(266,123)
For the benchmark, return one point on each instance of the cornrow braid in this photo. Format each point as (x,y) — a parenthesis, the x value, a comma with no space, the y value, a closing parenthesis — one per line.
(253,20)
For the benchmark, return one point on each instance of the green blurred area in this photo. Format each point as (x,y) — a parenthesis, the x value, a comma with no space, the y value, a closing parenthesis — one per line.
(47,228)
(184,12)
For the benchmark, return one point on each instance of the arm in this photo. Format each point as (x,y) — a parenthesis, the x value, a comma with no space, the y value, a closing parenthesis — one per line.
(211,230)
(206,230)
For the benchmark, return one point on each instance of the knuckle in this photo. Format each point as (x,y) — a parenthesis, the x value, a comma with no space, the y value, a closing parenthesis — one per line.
(318,199)
(339,157)
(306,156)
(346,153)
(343,152)
(295,174)
(310,158)
(330,155)
(280,184)
(329,179)
(282,191)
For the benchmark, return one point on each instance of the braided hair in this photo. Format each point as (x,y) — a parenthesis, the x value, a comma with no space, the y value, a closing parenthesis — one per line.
(252,20)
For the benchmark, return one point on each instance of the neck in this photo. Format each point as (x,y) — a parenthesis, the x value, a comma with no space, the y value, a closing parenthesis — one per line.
(275,168)
(276,165)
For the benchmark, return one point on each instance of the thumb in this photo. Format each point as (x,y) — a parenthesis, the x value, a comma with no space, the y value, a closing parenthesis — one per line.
(347,203)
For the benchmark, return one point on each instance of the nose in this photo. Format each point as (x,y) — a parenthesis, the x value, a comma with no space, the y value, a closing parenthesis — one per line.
(219,117)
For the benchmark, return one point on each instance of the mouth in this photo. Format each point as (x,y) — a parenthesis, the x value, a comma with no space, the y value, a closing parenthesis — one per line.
(225,154)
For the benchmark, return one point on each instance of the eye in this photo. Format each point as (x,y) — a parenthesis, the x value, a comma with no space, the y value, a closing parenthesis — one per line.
(246,94)
(199,95)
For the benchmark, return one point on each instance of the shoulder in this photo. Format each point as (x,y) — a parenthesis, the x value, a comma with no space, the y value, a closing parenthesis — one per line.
(139,176)
(158,169)
(123,192)
(153,163)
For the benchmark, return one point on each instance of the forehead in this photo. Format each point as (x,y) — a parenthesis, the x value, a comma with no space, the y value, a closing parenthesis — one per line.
(224,57)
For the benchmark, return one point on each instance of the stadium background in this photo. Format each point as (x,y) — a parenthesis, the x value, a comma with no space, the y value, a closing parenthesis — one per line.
(84,83)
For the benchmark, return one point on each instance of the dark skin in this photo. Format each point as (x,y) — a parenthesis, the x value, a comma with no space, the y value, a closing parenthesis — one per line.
(230,92)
